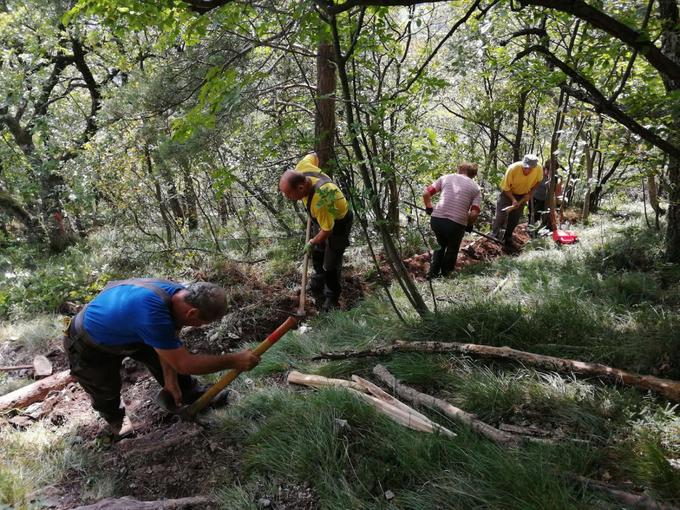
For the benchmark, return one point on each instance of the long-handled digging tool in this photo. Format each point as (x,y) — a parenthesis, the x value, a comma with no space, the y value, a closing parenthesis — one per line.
(475,231)
(189,412)
(41,366)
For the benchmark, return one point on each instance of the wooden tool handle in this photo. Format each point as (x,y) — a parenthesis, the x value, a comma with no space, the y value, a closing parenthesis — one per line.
(227,378)
(305,266)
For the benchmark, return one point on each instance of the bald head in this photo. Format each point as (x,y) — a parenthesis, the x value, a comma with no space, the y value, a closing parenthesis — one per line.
(294,185)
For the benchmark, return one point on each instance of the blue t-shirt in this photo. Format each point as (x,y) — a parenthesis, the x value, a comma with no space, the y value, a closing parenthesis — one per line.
(129,314)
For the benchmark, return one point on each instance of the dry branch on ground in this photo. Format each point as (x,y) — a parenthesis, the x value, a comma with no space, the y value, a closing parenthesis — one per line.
(665,387)
(498,436)
(398,412)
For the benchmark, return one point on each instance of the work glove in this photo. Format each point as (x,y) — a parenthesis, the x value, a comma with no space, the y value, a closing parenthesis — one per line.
(468,228)
(308,249)
(428,211)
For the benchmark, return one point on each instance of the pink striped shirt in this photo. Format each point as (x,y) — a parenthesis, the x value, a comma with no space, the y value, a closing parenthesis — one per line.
(459,194)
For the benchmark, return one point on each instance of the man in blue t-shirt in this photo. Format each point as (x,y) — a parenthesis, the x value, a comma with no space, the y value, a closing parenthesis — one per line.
(140,319)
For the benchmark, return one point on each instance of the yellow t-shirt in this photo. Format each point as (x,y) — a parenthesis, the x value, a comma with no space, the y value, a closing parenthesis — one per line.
(333,204)
(516,182)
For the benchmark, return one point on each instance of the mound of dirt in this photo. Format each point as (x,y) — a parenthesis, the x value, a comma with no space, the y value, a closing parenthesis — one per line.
(474,249)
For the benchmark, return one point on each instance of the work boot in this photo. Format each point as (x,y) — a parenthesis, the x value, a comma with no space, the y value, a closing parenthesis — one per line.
(316,286)
(331,303)
(120,429)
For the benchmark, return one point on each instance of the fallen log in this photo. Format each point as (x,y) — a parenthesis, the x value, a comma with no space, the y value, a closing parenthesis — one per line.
(128,503)
(409,419)
(319,381)
(497,436)
(666,387)
(36,391)
(378,392)
(402,414)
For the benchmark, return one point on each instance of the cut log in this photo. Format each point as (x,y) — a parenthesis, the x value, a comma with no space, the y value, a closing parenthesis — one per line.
(402,414)
(498,436)
(666,387)
(410,420)
(35,392)
(378,392)
(319,381)
(127,503)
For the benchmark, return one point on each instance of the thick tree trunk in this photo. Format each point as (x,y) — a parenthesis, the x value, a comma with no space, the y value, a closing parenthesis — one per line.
(60,233)
(670,48)
(128,503)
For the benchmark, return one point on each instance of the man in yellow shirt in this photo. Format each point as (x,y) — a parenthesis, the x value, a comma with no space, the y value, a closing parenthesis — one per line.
(517,187)
(332,224)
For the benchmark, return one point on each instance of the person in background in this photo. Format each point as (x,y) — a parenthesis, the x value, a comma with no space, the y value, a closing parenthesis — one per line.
(538,207)
(455,213)
(329,209)
(516,189)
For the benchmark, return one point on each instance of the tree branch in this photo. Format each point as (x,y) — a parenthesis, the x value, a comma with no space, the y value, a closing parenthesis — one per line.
(634,38)
(597,99)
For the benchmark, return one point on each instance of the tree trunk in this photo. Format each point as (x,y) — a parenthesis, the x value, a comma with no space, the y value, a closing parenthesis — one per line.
(402,275)
(670,47)
(521,109)
(589,175)
(60,233)
(13,208)
(190,198)
(668,388)
(324,121)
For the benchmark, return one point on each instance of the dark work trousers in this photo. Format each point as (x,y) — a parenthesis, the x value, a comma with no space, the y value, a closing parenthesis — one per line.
(512,217)
(97,369)
(449,236)
(538,210)
(327,258)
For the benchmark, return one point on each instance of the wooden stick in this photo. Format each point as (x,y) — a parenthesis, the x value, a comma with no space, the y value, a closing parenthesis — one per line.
(35,392)
(305,268)
(16,367)
(128,503)
(378,392)
(402,414)
(666,387)
(497,436)
(319,381)
(407,419)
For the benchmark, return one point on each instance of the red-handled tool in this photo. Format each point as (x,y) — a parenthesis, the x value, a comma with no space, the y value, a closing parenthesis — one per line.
(190,411)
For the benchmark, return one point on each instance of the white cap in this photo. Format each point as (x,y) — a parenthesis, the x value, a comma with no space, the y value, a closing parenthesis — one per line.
(530,161)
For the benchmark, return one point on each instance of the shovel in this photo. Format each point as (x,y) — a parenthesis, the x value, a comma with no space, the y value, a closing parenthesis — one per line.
(188,412)
(42,367)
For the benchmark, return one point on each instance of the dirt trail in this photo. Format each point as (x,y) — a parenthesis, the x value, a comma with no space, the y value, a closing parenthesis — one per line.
(191,459)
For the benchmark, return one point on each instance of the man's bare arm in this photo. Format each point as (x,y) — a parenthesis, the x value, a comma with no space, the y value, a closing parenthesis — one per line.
(184,362)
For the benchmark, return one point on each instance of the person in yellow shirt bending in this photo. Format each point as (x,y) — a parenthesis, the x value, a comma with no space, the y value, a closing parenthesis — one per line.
(332,224)
(517,187)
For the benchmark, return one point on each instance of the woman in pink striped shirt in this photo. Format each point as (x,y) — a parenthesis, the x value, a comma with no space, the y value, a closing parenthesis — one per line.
(456,212)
